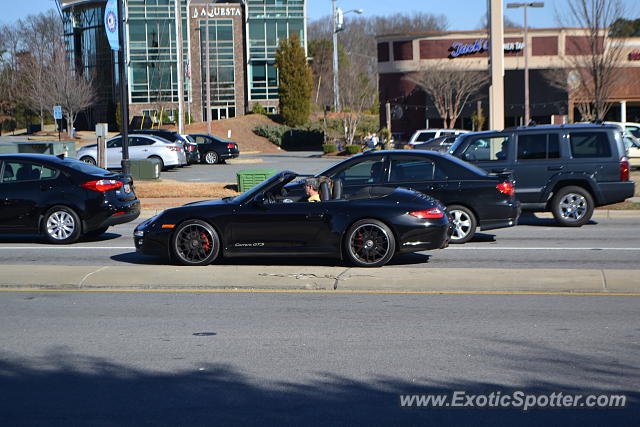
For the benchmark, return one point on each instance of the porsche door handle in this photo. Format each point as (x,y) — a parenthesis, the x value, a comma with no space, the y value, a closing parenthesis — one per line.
(555,168)
(315,217)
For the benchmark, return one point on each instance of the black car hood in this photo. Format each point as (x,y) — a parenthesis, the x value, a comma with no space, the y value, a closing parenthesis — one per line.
(212,202)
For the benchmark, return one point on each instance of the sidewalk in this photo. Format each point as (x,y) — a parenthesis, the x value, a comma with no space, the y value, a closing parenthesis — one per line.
(320,278)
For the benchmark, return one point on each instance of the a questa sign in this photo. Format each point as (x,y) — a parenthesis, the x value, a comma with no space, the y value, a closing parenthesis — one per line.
(213,12)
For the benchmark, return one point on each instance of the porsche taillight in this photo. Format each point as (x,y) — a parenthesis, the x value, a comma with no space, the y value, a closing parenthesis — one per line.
(428,213)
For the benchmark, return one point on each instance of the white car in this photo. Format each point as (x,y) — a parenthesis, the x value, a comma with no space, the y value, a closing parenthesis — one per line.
(424,135)
(628,128)
(633,149)
(140,147)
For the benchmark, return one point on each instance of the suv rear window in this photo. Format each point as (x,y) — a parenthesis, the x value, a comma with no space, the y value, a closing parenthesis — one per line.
(538,146)
(589,144)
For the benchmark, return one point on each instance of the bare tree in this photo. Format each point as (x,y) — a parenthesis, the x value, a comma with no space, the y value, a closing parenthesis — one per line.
(595,72)
(356,95)
(43,34)
(357,45)
(450,89)
(72,91)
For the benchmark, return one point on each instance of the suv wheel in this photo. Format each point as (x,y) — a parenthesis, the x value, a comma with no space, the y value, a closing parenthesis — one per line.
(464,223)
(572,206)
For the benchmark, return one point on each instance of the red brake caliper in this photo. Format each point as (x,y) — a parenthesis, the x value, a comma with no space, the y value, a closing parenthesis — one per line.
(207,243)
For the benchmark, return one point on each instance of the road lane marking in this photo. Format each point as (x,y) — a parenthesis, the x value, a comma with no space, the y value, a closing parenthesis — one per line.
(311,291)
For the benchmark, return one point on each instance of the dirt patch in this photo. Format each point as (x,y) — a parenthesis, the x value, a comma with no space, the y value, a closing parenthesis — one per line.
(174,189)
(241,132)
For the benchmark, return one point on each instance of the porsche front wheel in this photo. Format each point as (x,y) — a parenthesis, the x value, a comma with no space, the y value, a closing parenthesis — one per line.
(195,242)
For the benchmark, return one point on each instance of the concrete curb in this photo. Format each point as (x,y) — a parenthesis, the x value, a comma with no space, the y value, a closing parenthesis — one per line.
(319,278)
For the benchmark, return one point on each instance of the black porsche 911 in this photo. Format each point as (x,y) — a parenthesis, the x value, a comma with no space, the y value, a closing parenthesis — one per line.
(368,228)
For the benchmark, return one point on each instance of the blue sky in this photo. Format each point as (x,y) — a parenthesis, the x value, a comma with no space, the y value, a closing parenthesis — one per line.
(461,14)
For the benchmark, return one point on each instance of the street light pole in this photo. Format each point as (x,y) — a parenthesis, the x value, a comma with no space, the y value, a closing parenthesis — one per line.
(336,87)
(337,27)
(527,111)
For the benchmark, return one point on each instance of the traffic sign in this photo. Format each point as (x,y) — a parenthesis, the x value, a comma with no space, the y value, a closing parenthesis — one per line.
(57,112)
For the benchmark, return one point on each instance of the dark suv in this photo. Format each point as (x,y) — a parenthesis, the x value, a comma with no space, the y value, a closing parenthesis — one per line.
(564,169)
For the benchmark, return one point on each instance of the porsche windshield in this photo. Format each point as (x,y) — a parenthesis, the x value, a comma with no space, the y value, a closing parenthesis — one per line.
(284,177)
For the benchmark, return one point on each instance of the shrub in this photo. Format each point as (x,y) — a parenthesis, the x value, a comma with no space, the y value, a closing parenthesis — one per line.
(353,149)
(258,109)
(329,148)
(273,133)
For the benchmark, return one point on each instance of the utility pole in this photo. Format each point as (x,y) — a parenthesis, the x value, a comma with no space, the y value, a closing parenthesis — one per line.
(496,65)
(527,112)
(124,91)
(180,66)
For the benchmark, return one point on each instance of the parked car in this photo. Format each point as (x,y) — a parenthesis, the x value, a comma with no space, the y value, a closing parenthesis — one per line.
(565,169)
(367,228)
(169,154)
(629,128)
(473,197)
(441,144)
(214,149)
(633,150)
(424,135)
(62,198)
(190,150)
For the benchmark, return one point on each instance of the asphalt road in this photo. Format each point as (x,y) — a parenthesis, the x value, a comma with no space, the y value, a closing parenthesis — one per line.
(298,359)
(304,162)
(538,243)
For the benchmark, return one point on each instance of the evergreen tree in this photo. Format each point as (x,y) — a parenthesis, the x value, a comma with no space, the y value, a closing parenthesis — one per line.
(296,82)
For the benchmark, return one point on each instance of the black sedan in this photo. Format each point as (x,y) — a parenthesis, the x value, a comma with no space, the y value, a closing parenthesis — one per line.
(473,197)
(214,149)
(368,228)
(62,198)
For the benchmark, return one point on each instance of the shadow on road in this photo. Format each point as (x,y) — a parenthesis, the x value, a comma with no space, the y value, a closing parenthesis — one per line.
(529,219)
(35,238)
(140,259)
(70,389)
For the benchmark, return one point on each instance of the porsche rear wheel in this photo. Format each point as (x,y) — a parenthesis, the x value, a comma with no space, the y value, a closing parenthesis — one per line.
(195,242)
(369,243)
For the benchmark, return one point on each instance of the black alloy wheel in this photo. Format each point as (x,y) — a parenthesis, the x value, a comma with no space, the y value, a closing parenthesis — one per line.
(369,243)
(195,242)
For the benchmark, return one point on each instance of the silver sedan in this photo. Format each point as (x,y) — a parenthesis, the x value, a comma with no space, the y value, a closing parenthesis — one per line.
(140,147)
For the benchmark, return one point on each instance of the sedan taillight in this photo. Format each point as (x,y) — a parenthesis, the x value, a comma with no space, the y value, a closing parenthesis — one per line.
(102,185)
(428,213)
(231,145)
(506,188)
(174,148)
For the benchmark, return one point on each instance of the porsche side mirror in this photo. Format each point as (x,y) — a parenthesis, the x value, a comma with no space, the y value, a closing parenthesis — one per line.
(259,201)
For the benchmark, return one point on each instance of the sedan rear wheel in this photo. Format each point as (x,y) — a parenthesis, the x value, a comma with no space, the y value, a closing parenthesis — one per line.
(195,242)
(61,225)
(369,243)
(211,158)
(464,223)
(88,159)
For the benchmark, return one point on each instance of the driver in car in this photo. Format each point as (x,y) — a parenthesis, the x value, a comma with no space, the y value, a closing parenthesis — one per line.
(311,186)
